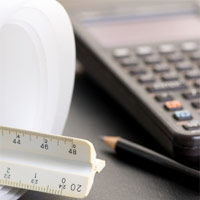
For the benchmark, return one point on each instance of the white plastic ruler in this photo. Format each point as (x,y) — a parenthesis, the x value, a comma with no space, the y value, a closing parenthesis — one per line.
(47,163)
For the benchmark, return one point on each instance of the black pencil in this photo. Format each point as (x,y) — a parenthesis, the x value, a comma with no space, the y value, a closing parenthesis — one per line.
(129,149)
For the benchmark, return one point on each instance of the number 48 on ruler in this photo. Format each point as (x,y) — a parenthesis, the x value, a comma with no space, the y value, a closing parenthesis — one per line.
(47,163)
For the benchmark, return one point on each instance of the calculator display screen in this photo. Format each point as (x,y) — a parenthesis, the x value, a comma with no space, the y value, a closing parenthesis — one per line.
(110,32)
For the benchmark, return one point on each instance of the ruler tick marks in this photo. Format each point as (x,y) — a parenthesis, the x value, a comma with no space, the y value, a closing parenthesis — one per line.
(51,164)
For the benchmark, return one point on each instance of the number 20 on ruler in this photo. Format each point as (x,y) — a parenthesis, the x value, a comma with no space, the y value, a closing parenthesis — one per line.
(47,163)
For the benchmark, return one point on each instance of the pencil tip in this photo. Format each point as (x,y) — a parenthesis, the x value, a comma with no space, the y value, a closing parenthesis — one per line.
(111,141)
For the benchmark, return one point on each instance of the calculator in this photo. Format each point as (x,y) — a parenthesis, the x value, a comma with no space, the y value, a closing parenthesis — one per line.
(147,56)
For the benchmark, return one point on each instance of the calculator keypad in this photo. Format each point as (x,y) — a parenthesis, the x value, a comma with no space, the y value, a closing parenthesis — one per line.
(147,78)
(138,71)
(161,68)
(163,97)
(171,74)
(173,105)
(129,62)
(175,57)
(189,46)
(193,94)
(197,83)
(166,48)
(121,53)
(196,104)
(168,86)
(195,56)
(192,125)
(144,51)
(152,59)
(194,74)
(184,66)
(183,115)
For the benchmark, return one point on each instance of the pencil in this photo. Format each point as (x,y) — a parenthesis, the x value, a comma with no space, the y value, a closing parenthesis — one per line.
(127,149)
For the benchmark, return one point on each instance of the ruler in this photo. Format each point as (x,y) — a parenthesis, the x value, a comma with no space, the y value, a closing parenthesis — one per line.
(47,163)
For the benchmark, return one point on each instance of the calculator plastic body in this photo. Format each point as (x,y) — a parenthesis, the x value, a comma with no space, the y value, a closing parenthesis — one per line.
(155,79)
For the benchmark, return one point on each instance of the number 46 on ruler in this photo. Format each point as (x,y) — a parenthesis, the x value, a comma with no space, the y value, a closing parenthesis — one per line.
(47,163)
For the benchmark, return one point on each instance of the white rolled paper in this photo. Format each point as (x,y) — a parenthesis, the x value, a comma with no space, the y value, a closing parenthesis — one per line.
(37,68)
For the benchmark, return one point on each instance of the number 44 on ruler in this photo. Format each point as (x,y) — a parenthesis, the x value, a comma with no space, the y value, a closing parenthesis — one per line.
(47,163)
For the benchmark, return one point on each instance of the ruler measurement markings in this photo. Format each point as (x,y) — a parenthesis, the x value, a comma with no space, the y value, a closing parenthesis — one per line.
(62,174)
(47,189)
(29,186)
(37,135)
(58,148)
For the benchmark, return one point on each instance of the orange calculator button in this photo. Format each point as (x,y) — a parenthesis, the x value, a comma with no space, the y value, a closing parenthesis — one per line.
(173,105)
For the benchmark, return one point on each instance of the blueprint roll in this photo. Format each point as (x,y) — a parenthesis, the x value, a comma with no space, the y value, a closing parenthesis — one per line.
(37,68)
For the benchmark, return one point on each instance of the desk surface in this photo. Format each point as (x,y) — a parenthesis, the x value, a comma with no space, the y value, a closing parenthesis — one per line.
(94,114)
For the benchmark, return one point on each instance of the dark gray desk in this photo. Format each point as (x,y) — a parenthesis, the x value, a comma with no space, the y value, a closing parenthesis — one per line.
(94,114)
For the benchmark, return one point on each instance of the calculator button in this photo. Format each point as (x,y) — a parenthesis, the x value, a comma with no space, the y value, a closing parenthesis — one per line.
(175,57)
(160,68)
(144,50)
(170,77)
(195,56)
(173,105)
(189,46)
(194,74)
(121,52)
(168,86)
(197,83)
(152,59)
(192,125)
(137,71)
(130,61)
(164,97)
(193,94)
(196,104)
(182,115)
(184,66)
(166,48)
(147,78)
